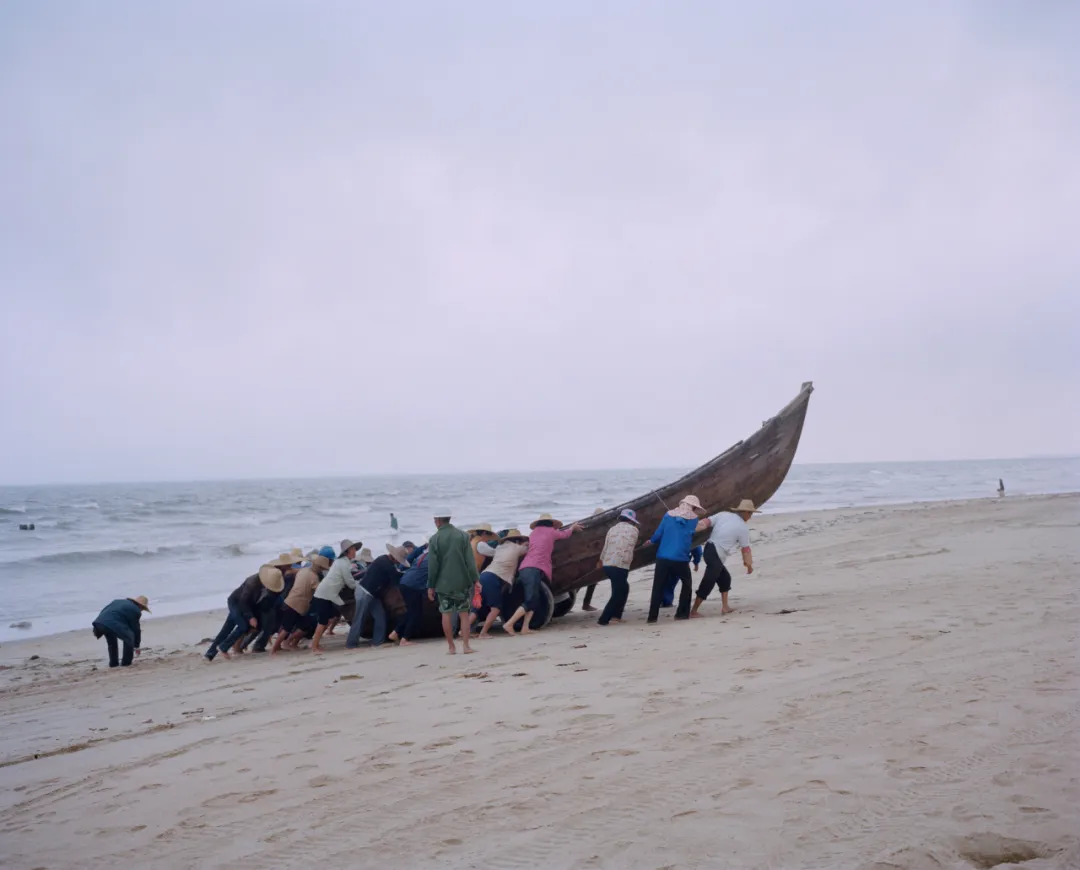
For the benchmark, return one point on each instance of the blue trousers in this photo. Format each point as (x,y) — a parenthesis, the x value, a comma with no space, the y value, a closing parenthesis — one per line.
(366,603)
(234,627)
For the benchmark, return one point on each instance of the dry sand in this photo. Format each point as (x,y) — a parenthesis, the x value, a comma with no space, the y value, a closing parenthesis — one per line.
(898,689)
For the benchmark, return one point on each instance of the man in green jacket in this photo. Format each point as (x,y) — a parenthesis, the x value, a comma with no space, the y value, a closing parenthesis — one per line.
(452,576)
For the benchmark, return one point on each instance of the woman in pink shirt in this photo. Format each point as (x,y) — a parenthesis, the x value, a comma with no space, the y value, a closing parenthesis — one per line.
(536,567)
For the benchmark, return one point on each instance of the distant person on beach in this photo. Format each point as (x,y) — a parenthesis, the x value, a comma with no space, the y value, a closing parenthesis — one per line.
(497,579)
(242,602)
(393,523)
(119,623)
(673,539)
(1001,487)
(452,575)
(327,598)
(730,534)
(615,559)
(381,574)
(295,612)
(536,568)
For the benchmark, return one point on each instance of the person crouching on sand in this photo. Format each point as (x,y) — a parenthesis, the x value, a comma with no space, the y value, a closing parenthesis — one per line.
(498,578)
(295,612)
(729,533)
(674,539)
(241,603)
(119,622)
(615,559)
(327,598)
(536,567)
(452,575)
(268,610)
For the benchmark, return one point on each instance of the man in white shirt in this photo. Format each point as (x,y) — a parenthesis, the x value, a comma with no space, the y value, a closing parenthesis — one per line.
(729,534)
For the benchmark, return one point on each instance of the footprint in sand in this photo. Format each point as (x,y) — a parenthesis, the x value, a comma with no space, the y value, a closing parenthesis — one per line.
(322,781)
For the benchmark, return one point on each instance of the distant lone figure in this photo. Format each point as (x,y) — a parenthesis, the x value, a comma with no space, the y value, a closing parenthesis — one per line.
(393,523)
(1001,487)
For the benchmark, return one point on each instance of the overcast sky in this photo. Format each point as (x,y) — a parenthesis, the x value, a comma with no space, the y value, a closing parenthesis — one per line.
(316,238)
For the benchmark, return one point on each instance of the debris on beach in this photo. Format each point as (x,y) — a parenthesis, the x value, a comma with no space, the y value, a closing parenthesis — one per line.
(23,624)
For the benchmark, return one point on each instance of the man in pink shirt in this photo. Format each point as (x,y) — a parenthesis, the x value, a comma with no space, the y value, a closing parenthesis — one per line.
(536,568)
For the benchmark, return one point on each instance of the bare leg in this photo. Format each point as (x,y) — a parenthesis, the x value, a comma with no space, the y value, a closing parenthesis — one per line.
(448,631)
(319,632)
(278,641)
(725,608)
(525,624)
(694,610)
(508,627)
(332,624)
(466,621)
(490,621)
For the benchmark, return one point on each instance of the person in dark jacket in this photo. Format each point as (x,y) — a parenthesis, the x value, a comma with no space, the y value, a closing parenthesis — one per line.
(242,604)
(119,623)
(268,609)
(413,588)
(381,574)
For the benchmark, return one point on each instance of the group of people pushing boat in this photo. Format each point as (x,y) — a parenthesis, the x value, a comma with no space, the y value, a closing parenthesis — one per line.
(469,573)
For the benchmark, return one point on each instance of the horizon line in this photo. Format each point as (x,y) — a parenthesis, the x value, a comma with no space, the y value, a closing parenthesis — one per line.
(489,473)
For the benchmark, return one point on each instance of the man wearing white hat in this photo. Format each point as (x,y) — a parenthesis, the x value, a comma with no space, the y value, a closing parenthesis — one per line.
(729,533)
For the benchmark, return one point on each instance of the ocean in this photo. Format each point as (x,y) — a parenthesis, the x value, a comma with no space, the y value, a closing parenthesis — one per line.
(187,545)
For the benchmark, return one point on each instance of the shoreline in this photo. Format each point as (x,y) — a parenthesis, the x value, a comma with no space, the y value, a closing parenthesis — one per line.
(896,688)
(212,611)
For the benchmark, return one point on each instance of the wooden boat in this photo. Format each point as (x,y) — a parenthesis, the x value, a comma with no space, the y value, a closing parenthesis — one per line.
(753,469)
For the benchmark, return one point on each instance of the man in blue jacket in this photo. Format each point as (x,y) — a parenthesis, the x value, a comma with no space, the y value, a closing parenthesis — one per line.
(119,623)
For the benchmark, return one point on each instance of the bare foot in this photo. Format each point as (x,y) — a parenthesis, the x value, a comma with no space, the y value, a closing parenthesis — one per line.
(483,636)
(509,629)
(393,637)
(619,621)
(224,654)
(452,651)
(695,616)
(317,650)
(727,610)
(588,608)
(525,630)
(405,642)
(468,650)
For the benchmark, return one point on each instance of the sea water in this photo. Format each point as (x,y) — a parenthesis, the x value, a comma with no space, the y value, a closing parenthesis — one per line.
(187,545)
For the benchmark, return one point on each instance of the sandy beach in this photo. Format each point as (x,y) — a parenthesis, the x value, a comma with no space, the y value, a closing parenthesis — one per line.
(898,688)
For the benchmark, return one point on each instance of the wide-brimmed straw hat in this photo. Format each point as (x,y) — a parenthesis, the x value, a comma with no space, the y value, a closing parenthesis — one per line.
(745,506)
(271,578)
(481,527)
(398,554)
(692,501)
(284,560)
(366,556)
(513,535)
(320,562)
(545,518)
(347,545)
(142,601)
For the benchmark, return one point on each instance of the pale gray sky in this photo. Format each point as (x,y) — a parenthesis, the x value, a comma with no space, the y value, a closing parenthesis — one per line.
(288,238)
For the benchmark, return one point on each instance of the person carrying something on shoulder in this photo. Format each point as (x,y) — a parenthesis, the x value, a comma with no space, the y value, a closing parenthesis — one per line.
(295,613)
(380,575)
(536,567)
(498,578)
(615,559)
(674,539)
(729,533)
(327,598)
(119,622)
(452,575)
(242,603)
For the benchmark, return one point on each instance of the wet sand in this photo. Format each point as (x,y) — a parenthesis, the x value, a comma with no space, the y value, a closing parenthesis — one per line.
(899,688)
